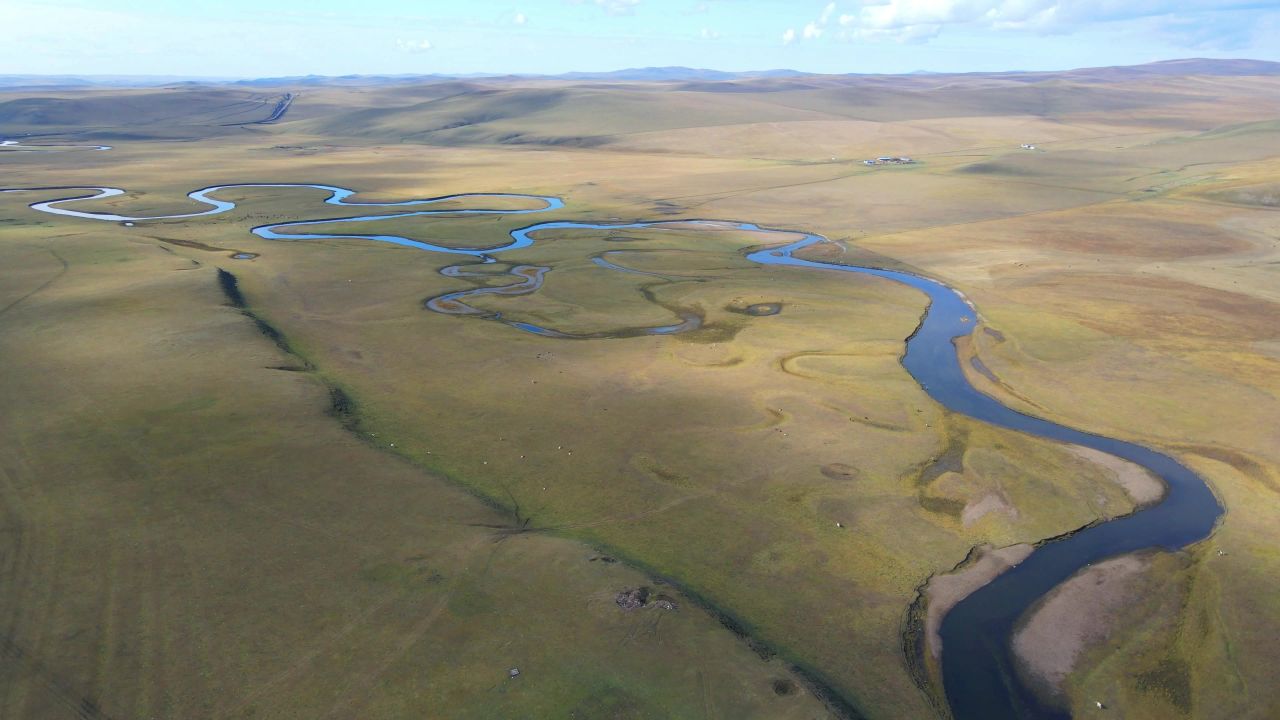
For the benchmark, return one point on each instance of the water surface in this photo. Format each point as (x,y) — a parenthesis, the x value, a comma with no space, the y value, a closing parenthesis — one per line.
(977,666)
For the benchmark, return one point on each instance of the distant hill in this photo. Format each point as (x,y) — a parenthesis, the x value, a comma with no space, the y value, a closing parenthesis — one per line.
(595,109)
(1188,66)
(675,73)
(342,80)
(648,74)
(1164,68)
(83,81)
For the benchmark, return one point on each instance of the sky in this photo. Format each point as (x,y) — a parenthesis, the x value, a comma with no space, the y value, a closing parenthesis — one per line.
(266,38)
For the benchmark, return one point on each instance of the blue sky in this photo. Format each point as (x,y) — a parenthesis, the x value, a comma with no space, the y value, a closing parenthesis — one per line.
(255,38)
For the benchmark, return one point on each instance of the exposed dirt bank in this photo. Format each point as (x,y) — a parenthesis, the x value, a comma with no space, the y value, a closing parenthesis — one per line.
(1077,614)
(942,592)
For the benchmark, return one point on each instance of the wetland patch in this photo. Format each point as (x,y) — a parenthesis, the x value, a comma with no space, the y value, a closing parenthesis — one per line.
(764,309)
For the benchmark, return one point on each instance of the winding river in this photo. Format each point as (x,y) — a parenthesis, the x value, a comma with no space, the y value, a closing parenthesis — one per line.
(978,670)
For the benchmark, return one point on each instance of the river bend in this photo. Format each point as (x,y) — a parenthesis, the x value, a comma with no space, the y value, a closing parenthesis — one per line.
(977,665)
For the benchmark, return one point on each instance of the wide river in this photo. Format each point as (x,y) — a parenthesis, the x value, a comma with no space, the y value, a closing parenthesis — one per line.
(977,666)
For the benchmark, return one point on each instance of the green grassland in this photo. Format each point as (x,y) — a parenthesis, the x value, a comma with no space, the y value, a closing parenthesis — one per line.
(181,509)
(190,534)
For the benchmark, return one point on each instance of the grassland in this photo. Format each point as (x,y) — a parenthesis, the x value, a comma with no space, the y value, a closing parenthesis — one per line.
(180,511)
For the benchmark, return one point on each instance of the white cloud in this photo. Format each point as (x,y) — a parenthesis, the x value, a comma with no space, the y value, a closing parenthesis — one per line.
(708,34)
(908,20)
(814,29)
(826,13)
(613,7)
(414,46)
(520,19)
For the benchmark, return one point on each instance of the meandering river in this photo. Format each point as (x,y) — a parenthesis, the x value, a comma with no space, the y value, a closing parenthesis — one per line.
(978,673)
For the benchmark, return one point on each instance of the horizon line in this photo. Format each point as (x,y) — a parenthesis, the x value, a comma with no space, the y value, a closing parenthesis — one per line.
(499,74)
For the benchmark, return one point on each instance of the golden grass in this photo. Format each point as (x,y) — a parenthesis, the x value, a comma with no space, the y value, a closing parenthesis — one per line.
(1127,274)
(188,535)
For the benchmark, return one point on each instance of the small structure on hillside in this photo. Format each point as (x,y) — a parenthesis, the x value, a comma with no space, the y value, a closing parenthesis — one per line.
(889,160)
(633,599)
